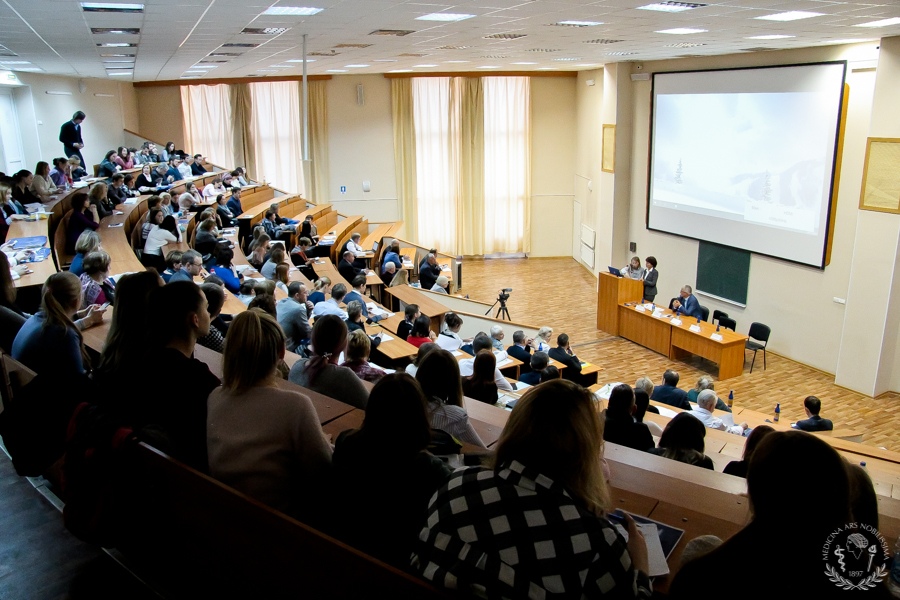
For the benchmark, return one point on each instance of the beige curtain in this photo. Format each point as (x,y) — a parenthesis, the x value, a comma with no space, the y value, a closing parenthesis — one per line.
(405,154)
(242,137)
(205,109)
(277,142)
(467,140)
(316,170)
(507,164)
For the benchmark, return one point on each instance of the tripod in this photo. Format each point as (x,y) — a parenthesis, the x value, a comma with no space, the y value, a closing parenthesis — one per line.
(502,312)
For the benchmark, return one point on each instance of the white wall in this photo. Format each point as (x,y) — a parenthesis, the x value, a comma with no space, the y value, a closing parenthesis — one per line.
(42,114)
(795,301)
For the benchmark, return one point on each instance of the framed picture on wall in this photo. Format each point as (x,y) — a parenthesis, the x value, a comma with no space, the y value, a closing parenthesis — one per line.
(608,160)
(881,176)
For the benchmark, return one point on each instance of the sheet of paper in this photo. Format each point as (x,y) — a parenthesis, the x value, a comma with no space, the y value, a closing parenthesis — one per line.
(727,418)
(386,338)
(655,555)
(503,363)
(666,412)
(130,201)
(457,353)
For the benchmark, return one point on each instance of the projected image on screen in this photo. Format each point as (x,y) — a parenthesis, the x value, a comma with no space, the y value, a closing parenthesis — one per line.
(744,158)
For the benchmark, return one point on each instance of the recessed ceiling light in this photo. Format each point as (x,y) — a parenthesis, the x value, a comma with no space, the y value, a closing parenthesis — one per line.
(446,17)
(488,67)
(112,55)
(602,41)
(792,15)
(224,54)
(524,63)
(578,23)
(504,36)
(392,32)
(16,62)
(116,30)
(264,30)
(681,45)
(670,7)
(682,31)
(204,67)
(117,73)
(451,47)
(111,7)
(881,23)
(589,65)
(267,71)
(113,62)
(356,66)
(300,60)
(566,59)
(196,72)
(352,46)
(117,45)
(455,62)
(337,71)
(401,71)
(292,11)
(775,36)
(423,66)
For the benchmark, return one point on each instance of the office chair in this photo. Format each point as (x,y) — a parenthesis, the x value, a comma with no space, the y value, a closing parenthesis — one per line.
(704,313)
(758,333)
(728,323)
(718,314)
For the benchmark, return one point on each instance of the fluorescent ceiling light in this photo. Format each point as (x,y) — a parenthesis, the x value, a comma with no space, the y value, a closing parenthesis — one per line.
(336,71)
(111,7)
(282,66)
(292,11)
(881,23)
(116,30)
(15,62)
(264,30)
(588,65)
(776,36)
(109,62)
(356,66)
(300,60)
(117,45)
(29,69)
(524,63)
(423,66)
(112,55)
(670,7)
(682,31)
(580,23)
(98,95)
(566,59)
(195,72)
(792,15)
(401,71)
(451,62)
(446,17)
(197,67)
(120,73)
(57,93)
(488,67)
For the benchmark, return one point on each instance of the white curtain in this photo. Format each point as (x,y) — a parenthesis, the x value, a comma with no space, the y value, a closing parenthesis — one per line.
(207,119)
(507,152)
(277,135)
(434,163)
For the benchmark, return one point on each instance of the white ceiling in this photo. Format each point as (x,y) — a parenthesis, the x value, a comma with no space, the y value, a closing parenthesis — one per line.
(54,35)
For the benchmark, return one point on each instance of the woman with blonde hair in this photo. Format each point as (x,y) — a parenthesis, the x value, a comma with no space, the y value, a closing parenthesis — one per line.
(322,372)
(42,186)
(358,347)
(320,288)
(50,341)
(259,249)
(282,281)
(76,170)
(99,198)
(96,285)
(542,340)
(546,473)
(275,258)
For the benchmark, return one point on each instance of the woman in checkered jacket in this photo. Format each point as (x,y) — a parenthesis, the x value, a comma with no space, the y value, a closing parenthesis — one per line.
(534,526)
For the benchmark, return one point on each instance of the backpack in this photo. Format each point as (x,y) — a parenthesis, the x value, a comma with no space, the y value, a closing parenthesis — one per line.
(99,475)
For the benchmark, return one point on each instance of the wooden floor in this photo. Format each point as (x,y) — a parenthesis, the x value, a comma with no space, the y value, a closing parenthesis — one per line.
(559,292)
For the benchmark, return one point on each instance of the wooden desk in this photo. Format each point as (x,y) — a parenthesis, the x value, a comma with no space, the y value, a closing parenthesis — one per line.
(645,329)
(409,295)
(395,349)
(728,353)
(116,243)
(40,270)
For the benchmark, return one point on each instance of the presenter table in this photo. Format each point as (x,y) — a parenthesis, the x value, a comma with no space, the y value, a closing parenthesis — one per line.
(663,333)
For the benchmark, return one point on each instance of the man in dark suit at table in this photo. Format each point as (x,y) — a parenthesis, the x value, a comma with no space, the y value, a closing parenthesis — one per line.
(429,271)
(521,350)
(669,393)
(346,268)
(563,353)
(687,304)
(813,405)
(70,136)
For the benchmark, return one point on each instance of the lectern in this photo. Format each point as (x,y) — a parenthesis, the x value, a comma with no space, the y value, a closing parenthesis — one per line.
(611,292)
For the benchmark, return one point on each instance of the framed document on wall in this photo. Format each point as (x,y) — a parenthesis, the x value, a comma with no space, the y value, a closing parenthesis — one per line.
(881,176)
(608,160)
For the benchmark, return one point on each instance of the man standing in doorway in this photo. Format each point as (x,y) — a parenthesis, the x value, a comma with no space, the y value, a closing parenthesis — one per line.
(70,136)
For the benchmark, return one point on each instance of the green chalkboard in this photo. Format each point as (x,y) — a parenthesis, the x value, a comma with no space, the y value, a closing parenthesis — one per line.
(723,271)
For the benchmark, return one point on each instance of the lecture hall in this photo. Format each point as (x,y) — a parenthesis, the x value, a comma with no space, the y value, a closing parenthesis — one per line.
(487,299)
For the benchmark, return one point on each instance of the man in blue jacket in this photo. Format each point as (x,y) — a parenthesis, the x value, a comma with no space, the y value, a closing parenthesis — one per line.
(687,304)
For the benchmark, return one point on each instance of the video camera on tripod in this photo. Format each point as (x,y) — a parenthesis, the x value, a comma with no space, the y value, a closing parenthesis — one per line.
(502,312)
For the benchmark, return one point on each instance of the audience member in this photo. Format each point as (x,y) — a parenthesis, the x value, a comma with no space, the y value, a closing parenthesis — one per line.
(421,332)
(779,495)
(738,468)
(813,422)
(346,268)
(259,251)
(480,384)
(438,374)
(356,321)
(388,274)
(521,349)
(123,158)
(265,302)
(207,237)
(620,426)
(563,354)
(537,363)
(59,174)
(322,373)
(706,383)
(429,271)
(42,185)
(88,241)
(84,216)
(215,300)
(669,393)
(225,269)
(424,349)
(166,232)
(547,464)
(302,258)
(682,440)
(78,172)
(449,338)
(542,341)
(21,188)
(642,407)
(410,314)
(96,285)
(549,373)
(281,277)
(227,218)
(441,286)
(293,316)
(99,198)
(320,288)
(8,290)
(357,357)
(497,335)
(392,257)
(234,202)
(358,251)
(332,305)
(467,365)
(358,293)
(191,266)
(173,264)
(706,403)
(107,167)
(396,430)
(263,440)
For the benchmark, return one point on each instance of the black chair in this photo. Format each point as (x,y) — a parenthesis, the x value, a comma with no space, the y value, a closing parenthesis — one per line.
(10,324)
(759,339)
(718,314)
(704,313)
(727,323)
